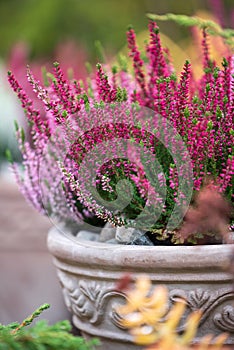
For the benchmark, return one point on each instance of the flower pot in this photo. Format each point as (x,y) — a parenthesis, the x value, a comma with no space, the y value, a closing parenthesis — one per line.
(88,272)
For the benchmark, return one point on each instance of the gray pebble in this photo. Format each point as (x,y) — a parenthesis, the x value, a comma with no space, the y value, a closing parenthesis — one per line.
(126,235)
(107,233)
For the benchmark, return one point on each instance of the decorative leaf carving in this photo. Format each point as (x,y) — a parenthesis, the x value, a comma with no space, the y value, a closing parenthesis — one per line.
(87,299)
(208,301)
(91,290)
(198,299)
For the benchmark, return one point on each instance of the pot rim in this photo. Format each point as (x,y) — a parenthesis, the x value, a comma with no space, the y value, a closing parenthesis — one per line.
(65,247)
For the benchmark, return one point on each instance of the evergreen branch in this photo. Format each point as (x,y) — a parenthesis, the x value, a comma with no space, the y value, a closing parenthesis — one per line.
(212,27)
(30,318)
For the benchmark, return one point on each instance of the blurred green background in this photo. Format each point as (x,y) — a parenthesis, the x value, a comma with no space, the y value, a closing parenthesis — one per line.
(43,24)
(42,31)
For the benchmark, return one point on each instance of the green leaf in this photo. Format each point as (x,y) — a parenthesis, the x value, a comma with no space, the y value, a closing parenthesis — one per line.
(16,125)
(99,51)
(9,156)
(45,76)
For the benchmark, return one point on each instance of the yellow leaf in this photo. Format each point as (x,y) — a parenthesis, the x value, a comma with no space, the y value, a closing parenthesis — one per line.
(144,335)
(191,327)
(174,316)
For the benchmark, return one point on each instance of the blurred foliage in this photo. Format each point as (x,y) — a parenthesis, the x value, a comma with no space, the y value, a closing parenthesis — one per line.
(45,23)
(147,316)
(212,28)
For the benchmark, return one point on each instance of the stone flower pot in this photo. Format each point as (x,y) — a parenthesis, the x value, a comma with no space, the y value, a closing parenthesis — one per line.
(88,271)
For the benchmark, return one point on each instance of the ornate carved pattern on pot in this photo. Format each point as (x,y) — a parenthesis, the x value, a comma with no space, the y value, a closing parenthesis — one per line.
(225,319)
(208,301)
(87,299)
(116,318)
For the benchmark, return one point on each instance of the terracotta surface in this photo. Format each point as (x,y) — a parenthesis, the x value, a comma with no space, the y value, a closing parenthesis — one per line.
(88,272)
(27,275)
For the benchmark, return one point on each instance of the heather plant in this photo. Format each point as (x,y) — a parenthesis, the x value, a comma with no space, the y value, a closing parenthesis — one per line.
(131,147)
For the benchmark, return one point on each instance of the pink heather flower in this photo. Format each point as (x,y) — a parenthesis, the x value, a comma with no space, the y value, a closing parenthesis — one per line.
(158,66)
(137,65)
(106,93)
(87,139)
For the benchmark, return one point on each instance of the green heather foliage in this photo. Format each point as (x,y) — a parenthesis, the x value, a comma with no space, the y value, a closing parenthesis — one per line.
(41,336)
